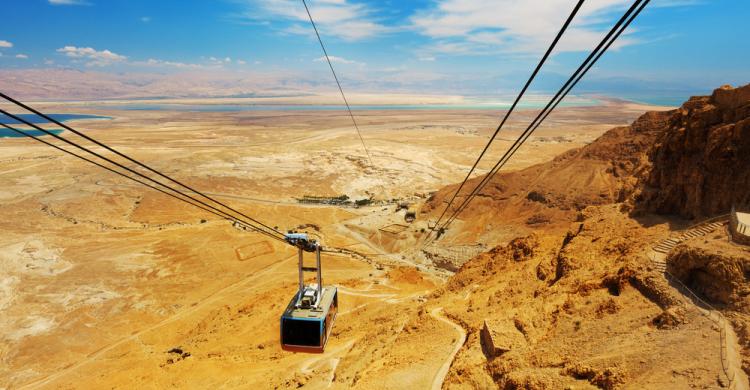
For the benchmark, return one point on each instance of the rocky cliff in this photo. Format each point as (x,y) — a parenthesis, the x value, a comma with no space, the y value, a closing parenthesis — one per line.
(700,165)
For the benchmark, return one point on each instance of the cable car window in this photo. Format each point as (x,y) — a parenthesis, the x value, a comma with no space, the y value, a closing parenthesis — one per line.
(300,332)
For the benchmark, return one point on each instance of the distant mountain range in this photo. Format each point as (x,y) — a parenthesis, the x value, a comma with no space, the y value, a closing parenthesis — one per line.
(73,84)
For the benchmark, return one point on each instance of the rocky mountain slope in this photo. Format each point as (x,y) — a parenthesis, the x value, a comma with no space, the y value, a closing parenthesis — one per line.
(579,310)
(700,165)
(692,162)
(578,303)
(551,194)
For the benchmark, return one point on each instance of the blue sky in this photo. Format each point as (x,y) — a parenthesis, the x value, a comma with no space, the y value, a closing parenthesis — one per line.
(469,47)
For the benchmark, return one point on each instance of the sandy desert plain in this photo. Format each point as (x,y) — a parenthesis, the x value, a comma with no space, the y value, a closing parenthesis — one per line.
(100,278)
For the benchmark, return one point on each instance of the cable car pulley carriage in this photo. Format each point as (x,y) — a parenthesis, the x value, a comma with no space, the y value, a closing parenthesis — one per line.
(308,319)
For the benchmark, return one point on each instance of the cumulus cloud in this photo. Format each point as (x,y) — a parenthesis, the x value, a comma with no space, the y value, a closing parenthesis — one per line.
(5,43)
(480,26)
(22,56)
(339,18)
(94,57)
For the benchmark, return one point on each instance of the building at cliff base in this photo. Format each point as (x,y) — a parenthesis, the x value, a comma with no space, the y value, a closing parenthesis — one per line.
(739,225)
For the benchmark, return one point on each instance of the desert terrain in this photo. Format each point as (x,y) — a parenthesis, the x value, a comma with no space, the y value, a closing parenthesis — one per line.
(105,284)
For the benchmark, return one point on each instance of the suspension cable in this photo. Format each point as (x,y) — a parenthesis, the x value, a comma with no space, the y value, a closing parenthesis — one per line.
(330,65)
(603,46)
(24,121)
(512,107)
(540,118)
(23,133)
(52,120)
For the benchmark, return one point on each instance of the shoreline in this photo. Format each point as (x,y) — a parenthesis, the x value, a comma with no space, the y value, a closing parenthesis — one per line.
(360,103)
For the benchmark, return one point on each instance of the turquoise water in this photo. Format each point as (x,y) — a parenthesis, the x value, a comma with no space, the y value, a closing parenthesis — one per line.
(35,119)
(672,101)
(5,133)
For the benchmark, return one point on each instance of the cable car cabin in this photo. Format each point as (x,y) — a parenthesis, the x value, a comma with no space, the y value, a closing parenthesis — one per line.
(305,328)
(308,319)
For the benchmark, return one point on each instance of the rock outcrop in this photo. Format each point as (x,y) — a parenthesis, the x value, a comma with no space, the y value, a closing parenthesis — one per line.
(720,276)
(556,330)
(700,165)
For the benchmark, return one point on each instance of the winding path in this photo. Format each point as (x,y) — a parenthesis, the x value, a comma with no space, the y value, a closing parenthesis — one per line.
(437,383)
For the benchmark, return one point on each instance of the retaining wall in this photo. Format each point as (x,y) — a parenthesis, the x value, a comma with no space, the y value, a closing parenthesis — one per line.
(740,231)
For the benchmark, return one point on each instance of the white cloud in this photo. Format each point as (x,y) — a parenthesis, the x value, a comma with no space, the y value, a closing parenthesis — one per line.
(502,26)
(5,43)
(94,57)
(219,61)
(335,59)
(241,62)
(22,56)
(338,18)
(68,2)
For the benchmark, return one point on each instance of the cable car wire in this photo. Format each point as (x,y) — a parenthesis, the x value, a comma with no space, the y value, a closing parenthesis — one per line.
(603,46)
(543,115)
(52,120)
(512,107)
(343,96)
(577,76)
(231,217)
(617,30)
(117,172)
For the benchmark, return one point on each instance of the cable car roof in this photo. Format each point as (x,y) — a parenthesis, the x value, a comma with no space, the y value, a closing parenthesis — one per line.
(312,312)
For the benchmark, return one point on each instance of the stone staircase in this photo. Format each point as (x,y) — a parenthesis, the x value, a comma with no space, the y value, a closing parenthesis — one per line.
(658,253)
